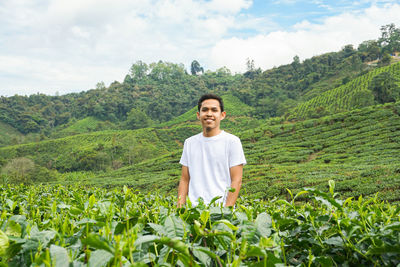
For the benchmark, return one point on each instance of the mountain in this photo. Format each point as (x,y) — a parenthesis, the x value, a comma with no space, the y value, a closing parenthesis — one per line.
(333,116)
(358,149)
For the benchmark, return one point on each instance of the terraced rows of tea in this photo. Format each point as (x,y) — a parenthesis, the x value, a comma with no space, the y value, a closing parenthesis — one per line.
(358,149)
(343,98)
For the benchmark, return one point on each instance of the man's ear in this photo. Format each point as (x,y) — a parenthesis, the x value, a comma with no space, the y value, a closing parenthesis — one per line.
(223,115)
(198,115)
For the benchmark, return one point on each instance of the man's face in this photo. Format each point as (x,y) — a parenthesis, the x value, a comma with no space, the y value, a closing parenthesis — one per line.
(210,114)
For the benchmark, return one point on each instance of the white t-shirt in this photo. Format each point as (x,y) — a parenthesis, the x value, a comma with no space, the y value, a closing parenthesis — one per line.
(209,160)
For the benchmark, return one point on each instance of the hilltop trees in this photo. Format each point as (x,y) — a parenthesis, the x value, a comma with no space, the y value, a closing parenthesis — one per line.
(195,68)
(385,88)
(390,38)
(137,119)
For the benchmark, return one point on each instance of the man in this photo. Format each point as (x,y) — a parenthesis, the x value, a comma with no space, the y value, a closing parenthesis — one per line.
(212,161)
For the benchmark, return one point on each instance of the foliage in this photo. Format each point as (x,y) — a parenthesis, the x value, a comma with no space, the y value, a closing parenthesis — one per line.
(385,88)
(355,94)
(19,170)
(52,226)
(137,119)
(164,90)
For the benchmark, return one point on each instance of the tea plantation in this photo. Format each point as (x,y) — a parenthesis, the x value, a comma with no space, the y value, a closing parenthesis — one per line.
(73,226)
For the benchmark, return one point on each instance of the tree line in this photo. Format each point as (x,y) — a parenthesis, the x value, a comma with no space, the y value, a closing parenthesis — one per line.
(160,91)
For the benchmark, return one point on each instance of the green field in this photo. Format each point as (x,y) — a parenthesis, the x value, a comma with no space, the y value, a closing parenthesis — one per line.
(84,226)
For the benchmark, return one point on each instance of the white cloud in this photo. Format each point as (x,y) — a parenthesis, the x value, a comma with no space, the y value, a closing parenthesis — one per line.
(306,39)
(57,45)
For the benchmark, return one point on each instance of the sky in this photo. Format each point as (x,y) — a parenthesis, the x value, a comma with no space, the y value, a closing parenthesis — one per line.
(59,47)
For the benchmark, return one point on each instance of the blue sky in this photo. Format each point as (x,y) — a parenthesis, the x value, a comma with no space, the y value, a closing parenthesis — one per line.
(51,46)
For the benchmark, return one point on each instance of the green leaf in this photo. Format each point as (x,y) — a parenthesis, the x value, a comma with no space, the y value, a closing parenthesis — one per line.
(202,256)
(44,237)
(98,242)
(393,226)
(86,221)
(290,193)
(300,193)
(174,227)
(325,198)
(324,261)
(14,229)
(331,184)
(255,251)
(334,241)
(145,239)
(159,229)
(99,258)
(384,249)
(263,224)
(4,244)
(227,223)
(176,244)
(214,200)
(92,201)
(59,256)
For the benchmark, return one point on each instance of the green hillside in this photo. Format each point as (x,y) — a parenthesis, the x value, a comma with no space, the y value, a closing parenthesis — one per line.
(354,94)
(238,116)
(358,149)
(86,125)
(8,134)
(108,150)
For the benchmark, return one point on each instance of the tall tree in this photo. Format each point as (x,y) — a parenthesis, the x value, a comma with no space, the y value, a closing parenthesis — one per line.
(195,68)
(390,38)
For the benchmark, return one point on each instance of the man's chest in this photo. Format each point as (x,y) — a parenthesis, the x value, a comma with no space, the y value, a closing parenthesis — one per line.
(214,152)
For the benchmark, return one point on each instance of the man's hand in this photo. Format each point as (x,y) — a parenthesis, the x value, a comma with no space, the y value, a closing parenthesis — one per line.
(236,183)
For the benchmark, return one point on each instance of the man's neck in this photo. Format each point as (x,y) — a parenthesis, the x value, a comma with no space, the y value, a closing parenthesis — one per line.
(212,132)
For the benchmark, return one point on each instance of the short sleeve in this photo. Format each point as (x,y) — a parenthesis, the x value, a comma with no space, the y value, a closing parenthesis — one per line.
(236,154)
(184,157)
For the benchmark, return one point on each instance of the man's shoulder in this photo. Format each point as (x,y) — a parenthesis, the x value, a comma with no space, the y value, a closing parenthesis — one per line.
(193,138)
(231,137)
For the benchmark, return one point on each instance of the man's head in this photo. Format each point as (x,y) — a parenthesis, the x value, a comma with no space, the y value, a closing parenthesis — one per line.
(211,112)
(210,96)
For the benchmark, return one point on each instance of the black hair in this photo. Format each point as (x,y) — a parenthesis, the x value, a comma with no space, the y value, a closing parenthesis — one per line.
(210,96)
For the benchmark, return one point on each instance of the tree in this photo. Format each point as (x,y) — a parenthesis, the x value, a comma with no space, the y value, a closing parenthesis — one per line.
(137,119)
(384,87)
(369,50)
(139,70)
(250,64)
(19,170)
(296,63)
(195,68)
(100,86)
(390,38)
(385,60)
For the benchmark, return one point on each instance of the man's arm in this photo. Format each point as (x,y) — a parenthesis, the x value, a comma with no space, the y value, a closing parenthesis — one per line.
(236,183)
(183,188)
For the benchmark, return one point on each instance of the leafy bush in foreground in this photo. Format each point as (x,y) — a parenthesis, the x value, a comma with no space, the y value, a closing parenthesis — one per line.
(51,226)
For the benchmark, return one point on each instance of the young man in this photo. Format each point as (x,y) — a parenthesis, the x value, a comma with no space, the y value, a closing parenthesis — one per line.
(212,161)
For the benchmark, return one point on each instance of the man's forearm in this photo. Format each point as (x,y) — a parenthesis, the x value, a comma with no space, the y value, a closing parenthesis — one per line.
(182,193)
(232,196)
(236,173)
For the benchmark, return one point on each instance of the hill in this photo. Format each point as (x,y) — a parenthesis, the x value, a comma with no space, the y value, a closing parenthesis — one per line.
(357,149)
(354,94)
(8,134)
(112,149)
(162,91)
